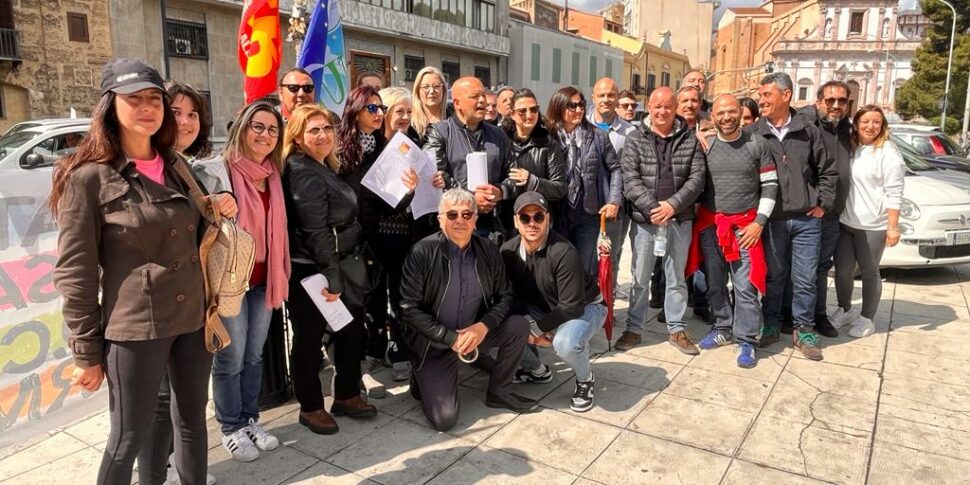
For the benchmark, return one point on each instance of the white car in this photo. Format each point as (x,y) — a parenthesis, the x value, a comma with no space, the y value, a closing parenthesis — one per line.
(934,218)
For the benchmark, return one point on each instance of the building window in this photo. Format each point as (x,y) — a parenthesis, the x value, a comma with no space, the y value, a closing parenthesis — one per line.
(592,70)
(665,79)
(609,68)
(575,73)
(451,70)
(556,65)
(802,93)
(77,27)
(651,83)
(484,74)
(635,82)
(186,39)
(856,22)
(536,52)
(412,64)
(361,62)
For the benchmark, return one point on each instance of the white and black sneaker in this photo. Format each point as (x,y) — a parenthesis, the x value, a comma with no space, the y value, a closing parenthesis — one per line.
(260,437)
(240,446)
(542,375)
(583,396)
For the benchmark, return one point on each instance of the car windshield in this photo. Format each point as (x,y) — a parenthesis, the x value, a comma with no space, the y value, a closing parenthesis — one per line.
(13,141)
(914,161)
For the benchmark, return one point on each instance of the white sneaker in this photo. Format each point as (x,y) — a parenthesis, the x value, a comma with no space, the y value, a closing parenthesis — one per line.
(260,437)
(239,446)
(863,327)
(842,318)
(371,386)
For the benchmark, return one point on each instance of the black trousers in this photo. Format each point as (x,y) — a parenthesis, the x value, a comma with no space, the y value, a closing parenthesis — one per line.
(134,372)
(153,458)
(308,328)
(391,251)
(437,377)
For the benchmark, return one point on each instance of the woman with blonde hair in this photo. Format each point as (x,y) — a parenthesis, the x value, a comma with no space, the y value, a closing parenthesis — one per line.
(870,221)
(323,210)
(430,96)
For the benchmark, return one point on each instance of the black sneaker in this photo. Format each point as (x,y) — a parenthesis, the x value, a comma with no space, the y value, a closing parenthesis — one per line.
(657,302)
(662,317)
(415,390)
(512,402)
(542,375)
(704,314)
(583,396)
(824,326)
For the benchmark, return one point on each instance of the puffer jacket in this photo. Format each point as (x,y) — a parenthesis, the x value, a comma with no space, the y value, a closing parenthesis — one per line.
(641,167)
(541,156)
(807,176)
(602,177)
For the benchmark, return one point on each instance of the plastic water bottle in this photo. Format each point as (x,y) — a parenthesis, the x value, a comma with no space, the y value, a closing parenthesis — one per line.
(660,242)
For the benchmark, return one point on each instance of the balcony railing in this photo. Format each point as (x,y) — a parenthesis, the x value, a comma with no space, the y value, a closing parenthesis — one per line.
(10,45)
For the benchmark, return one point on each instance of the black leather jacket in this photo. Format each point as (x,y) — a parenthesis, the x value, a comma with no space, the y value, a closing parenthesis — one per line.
(322,214)
(541,156)
(424,284)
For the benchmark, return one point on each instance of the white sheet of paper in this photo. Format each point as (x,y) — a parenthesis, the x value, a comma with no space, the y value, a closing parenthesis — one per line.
(476,165)
(384,177)
(334,312)
(426,195)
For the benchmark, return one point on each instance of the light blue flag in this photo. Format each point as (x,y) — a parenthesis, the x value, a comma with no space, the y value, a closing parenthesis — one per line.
(322,56)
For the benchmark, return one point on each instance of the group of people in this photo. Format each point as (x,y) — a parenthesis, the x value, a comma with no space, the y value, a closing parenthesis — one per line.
(501,270)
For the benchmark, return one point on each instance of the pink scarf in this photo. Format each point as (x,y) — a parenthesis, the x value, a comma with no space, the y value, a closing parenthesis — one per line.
(253,219)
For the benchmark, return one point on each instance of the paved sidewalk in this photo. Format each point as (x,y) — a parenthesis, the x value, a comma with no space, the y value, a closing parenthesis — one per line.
(892,408)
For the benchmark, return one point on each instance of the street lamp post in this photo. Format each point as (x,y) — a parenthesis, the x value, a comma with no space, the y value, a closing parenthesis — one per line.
(949,65)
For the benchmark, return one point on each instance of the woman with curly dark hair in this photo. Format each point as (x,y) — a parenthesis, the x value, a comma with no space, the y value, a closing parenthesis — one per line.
(360,141)
(192,119)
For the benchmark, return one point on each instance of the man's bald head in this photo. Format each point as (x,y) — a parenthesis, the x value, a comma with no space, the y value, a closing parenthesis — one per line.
(468,96)
(604,99)
(663,94)
(726,113)
(606,83)
(662,107)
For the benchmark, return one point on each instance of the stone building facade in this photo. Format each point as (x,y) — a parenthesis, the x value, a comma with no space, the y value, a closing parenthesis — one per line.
(689,22)
(51,59)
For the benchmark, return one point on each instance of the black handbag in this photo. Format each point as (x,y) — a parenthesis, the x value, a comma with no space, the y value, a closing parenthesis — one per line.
(361,273)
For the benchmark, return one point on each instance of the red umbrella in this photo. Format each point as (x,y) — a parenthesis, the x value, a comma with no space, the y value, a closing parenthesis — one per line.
(606,279)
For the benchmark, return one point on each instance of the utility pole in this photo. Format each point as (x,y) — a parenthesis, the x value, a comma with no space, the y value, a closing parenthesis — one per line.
(949,65)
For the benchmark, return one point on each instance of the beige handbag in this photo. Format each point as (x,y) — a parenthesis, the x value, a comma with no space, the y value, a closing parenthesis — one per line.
(227,255)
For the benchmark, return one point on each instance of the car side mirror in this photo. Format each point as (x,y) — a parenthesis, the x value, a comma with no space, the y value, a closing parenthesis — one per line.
(33,160)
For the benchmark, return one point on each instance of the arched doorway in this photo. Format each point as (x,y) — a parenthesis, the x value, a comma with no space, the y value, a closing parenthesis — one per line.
(853,97)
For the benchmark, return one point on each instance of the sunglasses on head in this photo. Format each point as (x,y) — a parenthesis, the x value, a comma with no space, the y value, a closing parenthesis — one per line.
(538,217)
(258,128)
(453,215)
(530,109)
(374,108)
(833,101)
(580,106)
(295,88)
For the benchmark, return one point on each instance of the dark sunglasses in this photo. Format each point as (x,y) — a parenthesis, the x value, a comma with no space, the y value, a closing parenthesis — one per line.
(580,106)
(258,128)
(530,109)
(374,108)
(629,105)
(295,88)
(833,101)
(538,217)
(453,215)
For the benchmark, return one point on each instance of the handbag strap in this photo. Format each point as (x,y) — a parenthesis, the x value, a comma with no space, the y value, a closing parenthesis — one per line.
(195,193)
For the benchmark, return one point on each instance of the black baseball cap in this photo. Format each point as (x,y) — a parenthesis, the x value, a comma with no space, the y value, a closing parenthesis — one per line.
(126,76)
(531,198)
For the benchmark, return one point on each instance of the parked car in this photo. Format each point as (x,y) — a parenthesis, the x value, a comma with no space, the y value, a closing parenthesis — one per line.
(934,217)
(949,162)
(928,141)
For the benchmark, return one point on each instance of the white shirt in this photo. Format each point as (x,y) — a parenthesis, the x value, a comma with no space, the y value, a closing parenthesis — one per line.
(876,186)
(782,131)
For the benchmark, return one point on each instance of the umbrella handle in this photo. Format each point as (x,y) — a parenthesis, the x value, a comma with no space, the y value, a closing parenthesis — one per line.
(603,223)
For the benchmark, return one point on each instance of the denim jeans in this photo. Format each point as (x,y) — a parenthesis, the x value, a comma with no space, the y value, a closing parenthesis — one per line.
(826,254)
(674,263)
(572,342)
(744,321)
(583,233)
(791,248)
(237,370)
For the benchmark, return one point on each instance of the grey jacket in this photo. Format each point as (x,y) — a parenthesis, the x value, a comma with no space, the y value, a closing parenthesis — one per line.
(641,163)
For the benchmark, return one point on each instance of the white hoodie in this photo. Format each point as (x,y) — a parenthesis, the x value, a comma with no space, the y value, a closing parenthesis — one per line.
(876,187)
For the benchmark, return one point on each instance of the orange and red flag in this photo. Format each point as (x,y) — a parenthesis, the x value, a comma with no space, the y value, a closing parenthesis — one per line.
(260,47)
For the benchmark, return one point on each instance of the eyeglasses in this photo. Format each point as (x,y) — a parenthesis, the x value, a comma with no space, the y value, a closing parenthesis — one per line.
(538,217)
(832,101)
(295,88)
(431,88)
(374,108)
(629,105)
(530,109)
(453,215)
(258,128)
(580,106)
(316,130)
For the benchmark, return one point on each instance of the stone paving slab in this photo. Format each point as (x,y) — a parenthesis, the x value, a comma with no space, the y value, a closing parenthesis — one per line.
(892,408)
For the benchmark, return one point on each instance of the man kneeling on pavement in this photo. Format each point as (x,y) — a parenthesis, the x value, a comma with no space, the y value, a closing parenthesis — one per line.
(554,293)
(455,302)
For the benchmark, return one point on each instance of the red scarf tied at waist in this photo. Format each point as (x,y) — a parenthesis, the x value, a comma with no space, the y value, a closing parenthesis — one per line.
(728,241)
(264,225)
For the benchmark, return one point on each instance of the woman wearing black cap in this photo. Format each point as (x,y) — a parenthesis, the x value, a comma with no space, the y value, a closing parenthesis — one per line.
(129,271)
